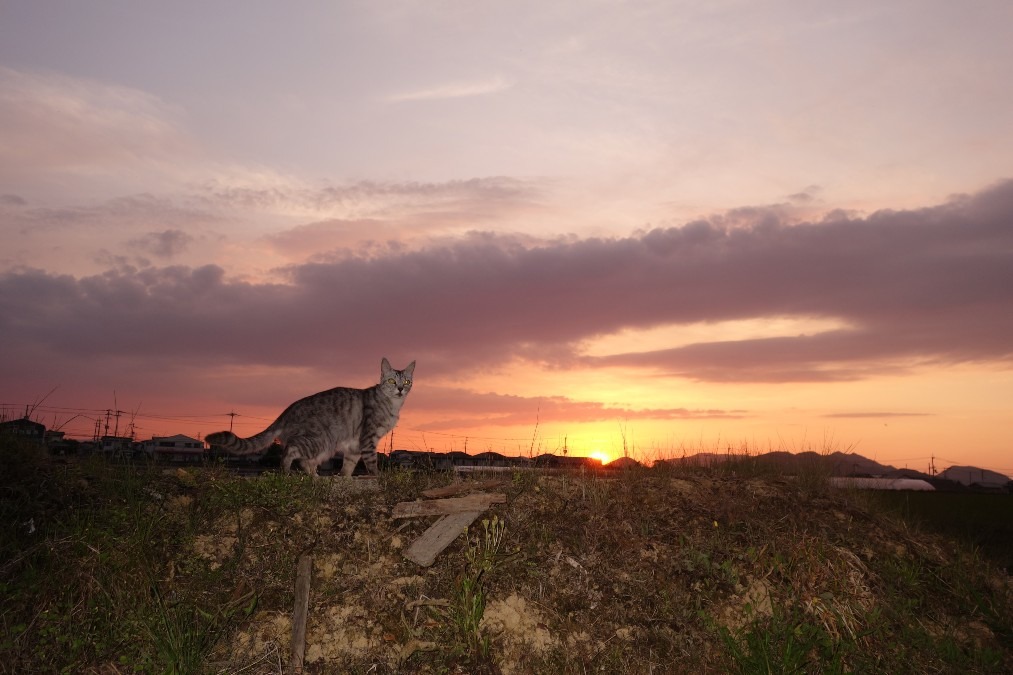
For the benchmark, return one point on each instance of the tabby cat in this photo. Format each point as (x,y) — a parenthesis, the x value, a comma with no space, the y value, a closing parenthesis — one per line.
(345,420)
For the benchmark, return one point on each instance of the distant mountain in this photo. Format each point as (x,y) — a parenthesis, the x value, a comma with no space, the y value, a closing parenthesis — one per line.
(852,464)
(839,463)
(968,475)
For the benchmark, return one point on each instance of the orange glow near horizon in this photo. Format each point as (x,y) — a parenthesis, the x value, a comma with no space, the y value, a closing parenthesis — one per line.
(964,437)
(958,416)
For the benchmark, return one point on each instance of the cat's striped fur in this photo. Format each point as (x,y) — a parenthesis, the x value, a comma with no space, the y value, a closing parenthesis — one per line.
(340,420)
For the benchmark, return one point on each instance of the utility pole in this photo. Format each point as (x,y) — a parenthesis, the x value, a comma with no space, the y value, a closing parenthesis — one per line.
(232,417)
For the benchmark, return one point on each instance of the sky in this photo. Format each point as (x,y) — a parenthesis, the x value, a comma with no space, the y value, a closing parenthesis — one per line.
(651,228)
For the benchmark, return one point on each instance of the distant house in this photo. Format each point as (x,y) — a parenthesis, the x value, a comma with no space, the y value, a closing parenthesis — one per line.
(455,460)
(116,445)
(179,449)
(492,459)
(58,443)
(413,459)
(24,429)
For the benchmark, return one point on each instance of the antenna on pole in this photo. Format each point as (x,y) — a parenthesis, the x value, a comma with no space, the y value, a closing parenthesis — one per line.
(116,431)
(133,417)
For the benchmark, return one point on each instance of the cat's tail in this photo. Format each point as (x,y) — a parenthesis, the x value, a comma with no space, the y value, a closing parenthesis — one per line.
(234,445)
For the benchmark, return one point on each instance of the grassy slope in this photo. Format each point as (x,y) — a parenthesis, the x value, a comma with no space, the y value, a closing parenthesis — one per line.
(984,521)
(137,569)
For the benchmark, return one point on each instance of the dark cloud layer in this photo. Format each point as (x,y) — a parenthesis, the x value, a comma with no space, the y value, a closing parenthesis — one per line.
(925,286)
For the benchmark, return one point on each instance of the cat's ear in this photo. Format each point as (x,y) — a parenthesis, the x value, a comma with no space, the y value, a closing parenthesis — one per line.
(385,366)
(410,370)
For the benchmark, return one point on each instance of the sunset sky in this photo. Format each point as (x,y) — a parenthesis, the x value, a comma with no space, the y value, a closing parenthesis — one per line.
(677,226)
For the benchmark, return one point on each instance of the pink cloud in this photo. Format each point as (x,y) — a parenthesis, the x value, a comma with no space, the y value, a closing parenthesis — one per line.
(926,286)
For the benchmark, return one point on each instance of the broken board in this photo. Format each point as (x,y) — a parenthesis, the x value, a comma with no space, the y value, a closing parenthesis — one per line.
(457,514)
(439,536)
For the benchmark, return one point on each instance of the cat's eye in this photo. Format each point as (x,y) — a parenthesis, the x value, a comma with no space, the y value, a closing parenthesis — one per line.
(407,383)
(391,381)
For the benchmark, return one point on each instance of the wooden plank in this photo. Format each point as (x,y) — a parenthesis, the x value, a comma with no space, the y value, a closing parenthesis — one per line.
(463,486)
(302,602)
(439,536)
(443,507)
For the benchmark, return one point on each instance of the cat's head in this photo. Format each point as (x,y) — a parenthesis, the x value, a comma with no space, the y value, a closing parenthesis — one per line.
(396,383)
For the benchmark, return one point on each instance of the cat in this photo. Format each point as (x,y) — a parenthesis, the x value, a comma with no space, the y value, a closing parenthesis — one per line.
(340,420)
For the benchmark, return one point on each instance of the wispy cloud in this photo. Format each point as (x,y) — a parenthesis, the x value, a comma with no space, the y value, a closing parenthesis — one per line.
(452,90)
(370,217)
(57,122)
(875,415)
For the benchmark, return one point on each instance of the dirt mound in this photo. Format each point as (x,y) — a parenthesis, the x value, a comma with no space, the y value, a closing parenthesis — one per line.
(622,574)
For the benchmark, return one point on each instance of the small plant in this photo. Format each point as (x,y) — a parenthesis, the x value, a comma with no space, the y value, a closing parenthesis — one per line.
(483,556)
(788,642)
(183,634)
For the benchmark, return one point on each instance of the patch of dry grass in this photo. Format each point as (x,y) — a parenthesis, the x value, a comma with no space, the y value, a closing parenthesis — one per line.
(650,570)
(646,571)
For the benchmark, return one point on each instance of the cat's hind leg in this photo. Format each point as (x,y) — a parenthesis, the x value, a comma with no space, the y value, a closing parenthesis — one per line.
(310,466)
(287,458)
(299,448)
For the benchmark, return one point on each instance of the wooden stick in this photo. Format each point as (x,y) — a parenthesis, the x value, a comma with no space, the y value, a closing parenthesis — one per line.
(302,602)
(442,507)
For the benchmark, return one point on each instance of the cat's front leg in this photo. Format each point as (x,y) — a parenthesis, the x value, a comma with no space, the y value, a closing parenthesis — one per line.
(350,458)
(369,461)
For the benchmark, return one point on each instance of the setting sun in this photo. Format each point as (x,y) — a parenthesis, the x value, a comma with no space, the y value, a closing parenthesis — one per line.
(602,457)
